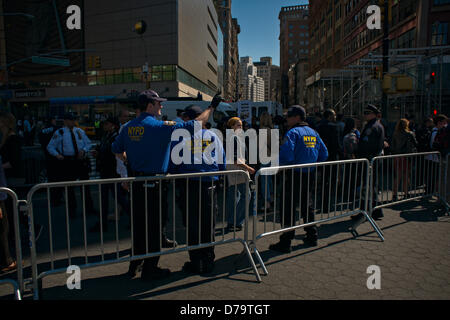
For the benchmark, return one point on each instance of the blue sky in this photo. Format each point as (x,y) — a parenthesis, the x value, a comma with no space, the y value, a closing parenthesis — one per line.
(260,27)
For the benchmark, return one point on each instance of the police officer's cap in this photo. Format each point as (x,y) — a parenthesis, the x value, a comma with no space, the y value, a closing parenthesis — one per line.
(69,116)
(149,95)
(192,111)
(296,110)
(370,108)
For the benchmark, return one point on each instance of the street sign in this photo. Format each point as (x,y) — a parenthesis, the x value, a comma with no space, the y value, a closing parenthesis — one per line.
(51,61)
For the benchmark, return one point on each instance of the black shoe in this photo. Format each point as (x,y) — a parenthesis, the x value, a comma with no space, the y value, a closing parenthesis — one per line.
(167,243)
(134,268)
(377,214)
(154,274)
(310,242)
(96,228)
(283,248)
(37,231)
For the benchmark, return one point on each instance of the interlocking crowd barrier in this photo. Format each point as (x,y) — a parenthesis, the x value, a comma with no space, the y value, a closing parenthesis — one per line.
(402,178)
(18,282)
(317,192)
(188,192)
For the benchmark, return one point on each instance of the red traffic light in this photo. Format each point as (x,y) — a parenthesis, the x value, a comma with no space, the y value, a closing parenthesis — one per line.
(435,112)
(432,77)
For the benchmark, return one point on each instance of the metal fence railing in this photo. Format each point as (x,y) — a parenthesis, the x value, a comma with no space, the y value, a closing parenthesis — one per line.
(316,193)
(193,196)
(16,278)
(401,178)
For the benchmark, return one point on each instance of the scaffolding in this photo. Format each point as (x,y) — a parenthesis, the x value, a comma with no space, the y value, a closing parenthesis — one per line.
(350,89)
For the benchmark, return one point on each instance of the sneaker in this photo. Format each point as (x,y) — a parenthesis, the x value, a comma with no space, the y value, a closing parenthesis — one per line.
(167,243)
(154,274)
(280,247)
(310,242)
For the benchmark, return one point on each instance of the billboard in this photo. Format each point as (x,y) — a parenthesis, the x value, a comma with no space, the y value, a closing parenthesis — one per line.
(38,40)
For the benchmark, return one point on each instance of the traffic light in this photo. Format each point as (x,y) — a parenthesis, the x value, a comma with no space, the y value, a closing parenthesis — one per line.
(140,27)
(98,62)
(435,112)
(432,77)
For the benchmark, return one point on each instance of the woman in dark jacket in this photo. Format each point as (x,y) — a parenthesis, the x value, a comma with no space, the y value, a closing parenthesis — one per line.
(403,142)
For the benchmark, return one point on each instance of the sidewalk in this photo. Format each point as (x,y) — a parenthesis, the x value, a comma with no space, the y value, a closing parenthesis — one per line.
(414,262)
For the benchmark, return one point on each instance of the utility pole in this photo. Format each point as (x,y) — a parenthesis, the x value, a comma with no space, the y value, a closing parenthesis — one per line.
(384,100)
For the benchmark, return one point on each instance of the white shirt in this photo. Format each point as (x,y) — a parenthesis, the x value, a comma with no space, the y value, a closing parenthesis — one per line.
(62,144)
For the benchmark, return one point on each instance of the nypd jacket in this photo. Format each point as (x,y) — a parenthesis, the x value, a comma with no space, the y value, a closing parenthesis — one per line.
(302,145)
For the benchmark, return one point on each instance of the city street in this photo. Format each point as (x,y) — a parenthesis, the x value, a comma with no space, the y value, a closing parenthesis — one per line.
(414,264)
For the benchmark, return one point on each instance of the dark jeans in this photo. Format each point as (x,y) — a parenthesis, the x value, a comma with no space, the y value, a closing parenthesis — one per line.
(288,207)
(5,255)
(199,217)
(153,230)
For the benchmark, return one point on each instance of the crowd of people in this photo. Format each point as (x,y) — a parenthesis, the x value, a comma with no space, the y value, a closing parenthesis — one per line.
(141,147)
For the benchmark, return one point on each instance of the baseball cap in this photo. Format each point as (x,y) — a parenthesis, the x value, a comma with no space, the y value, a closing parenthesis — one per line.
(147,95)
(192,111)
(296,110)
(370,108)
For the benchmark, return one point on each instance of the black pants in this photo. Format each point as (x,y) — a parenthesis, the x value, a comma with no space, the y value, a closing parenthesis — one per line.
(72,170)
(153,231)
(288,210)
(330,187)
(5,255)
(199,216)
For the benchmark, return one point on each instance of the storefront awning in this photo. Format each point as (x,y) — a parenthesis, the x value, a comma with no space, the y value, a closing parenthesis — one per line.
(81,100)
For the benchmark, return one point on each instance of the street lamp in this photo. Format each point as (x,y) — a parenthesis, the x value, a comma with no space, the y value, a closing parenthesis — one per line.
(140,27)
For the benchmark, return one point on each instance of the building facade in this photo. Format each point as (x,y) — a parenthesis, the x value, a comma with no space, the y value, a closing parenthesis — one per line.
(294,42)
(231,29)
(251,86)
(346,56)
(176,55)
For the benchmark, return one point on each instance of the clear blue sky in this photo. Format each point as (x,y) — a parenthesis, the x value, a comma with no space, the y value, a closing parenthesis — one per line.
(260,27)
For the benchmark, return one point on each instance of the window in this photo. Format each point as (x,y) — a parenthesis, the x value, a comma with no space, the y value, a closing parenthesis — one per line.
(290,43)
(212,35)
(302,34)
(291,35)
(439,35)
(291,27)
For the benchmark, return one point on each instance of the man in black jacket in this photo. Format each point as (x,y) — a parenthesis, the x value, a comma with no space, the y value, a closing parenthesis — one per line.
(107,166)
(329,134)
(371,145)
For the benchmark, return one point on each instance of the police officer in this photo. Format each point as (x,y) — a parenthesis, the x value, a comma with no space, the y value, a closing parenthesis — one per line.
(371,144)
(146,142)
(70,146)
(301,145)
(201,260)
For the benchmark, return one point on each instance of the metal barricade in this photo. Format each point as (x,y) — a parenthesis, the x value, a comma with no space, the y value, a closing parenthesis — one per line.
(17,283)
(75,246)
(14,285)
(401,178)
(446,191)
(333,190)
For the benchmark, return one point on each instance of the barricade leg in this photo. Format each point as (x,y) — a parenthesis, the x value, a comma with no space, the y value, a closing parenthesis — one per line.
(15,286)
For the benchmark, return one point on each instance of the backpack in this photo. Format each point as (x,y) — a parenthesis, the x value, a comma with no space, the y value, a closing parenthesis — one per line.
(441,141)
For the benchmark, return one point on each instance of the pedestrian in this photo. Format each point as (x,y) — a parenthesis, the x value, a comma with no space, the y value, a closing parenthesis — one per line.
(146,143)
(403,142)
(301,145)
(178,119)
(201,211)
(329,133)
(28,131)
(70,146)
(424,135)
(371,145)
(236,193)
(106,164)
